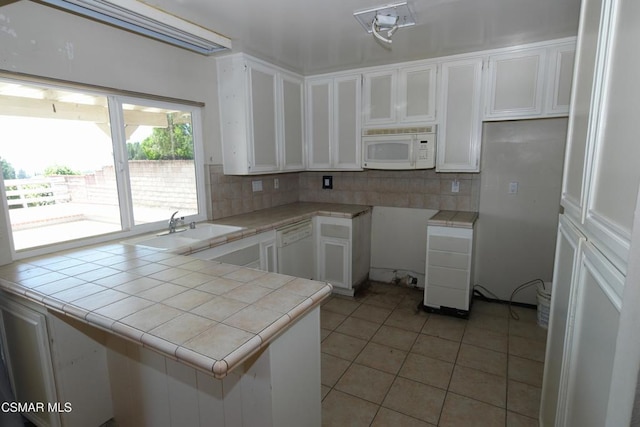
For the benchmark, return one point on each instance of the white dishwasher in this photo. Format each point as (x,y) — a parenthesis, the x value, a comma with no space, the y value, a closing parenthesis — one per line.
(296,250)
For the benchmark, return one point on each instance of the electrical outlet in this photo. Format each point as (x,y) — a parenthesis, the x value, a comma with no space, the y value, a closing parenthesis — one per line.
(513,188)
(256,186)
(276,183)
(455,186)
(327,182)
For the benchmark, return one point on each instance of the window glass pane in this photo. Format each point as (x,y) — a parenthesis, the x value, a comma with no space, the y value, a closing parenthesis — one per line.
(57,162)
(162,169)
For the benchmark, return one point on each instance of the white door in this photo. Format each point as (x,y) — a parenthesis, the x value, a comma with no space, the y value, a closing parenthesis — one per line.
(460,131)
(28,359)
(380,98)
(264,126)
(347,120)
(292,128)
(319,123)
(560,74)
(516,84)
(334,261)
(598,287)
(600,195)
(568,250)
(417,94)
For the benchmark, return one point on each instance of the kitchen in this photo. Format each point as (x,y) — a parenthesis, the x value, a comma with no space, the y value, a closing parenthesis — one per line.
(64,57)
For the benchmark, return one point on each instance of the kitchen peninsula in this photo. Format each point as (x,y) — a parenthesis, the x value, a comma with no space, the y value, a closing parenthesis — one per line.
(150,337)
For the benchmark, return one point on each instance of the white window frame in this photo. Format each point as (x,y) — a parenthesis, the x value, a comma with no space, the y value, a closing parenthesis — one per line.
(115,102)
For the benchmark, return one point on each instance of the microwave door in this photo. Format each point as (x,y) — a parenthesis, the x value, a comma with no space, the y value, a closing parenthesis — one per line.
(413,151)
(388,152)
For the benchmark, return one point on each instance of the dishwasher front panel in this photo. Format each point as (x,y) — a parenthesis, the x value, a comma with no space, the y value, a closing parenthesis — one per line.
(296,250)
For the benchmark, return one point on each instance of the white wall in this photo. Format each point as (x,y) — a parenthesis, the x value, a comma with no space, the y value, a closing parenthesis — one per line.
(516,233)
(399,242)
(43,41)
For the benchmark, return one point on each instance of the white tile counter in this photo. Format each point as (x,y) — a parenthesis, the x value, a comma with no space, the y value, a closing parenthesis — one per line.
(210,315)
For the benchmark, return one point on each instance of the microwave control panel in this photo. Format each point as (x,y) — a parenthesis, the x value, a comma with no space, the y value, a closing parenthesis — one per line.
(426,146)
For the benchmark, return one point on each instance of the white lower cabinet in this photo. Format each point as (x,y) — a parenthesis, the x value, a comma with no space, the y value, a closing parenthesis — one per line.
(568,249)
(258,251)
(449,263)
(26,354)
(592,342)
(60,364)
(85,377)
(343,251)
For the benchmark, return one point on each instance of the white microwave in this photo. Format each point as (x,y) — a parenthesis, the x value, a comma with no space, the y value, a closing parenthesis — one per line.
(403,148)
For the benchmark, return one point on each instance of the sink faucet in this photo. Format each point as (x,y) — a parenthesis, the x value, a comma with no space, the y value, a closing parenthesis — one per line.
(173,222)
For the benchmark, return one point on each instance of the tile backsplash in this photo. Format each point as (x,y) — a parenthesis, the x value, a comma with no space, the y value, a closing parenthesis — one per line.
(234,195)
(423,189)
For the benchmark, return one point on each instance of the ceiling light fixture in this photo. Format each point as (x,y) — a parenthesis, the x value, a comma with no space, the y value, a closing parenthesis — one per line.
(384,21)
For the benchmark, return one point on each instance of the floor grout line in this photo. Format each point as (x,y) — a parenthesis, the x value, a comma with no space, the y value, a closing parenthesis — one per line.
(402,303)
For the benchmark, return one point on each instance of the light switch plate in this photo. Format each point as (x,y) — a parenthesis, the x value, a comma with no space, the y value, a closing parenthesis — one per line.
(455,186)
(276,183)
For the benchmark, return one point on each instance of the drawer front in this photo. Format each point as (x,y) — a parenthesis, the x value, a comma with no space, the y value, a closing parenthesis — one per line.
(334,230)
(436,296)
(448,277)
(450,244)
(448,259)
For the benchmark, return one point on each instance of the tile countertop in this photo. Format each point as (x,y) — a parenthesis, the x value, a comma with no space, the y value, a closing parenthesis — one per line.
(207,314)
(459,219)
(269,219)
(278,217)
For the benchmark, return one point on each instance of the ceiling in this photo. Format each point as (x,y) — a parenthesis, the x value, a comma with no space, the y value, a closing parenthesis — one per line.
(316,36)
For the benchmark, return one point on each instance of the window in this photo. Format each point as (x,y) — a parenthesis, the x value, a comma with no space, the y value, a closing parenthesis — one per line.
(81,164)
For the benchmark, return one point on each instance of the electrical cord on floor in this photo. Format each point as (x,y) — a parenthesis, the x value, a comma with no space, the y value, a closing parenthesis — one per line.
(518,288)
(486,290)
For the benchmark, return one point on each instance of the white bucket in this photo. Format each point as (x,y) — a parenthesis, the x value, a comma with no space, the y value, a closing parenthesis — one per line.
(543,296)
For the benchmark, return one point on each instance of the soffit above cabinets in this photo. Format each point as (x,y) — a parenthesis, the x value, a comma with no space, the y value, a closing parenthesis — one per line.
(313,37)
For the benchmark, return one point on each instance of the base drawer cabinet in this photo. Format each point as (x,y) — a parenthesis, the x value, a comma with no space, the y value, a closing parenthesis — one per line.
(449,268)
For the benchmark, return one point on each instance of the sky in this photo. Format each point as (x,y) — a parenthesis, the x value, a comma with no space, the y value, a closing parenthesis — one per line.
(33,144)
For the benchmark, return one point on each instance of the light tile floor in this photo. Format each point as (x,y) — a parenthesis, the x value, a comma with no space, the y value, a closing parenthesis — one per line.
(386,363)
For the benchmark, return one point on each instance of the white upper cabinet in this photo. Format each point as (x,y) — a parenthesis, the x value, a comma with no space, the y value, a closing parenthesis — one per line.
(516,84)
(260,116)
(559,78)
(263,132)
(458,146)
(380,98)
(417,94)
(333,111)
(292,123)
(400,96)
(530,82)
